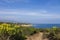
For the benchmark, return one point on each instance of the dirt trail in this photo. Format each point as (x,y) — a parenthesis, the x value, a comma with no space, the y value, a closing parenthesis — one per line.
(37,36)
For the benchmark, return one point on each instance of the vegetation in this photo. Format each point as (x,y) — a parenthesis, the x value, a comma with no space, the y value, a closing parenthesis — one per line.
(9,31)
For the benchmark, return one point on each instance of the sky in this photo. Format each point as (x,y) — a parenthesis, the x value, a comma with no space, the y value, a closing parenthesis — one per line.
(30,11)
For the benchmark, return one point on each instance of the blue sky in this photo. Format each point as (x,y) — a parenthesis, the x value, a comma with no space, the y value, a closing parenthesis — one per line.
(30,11)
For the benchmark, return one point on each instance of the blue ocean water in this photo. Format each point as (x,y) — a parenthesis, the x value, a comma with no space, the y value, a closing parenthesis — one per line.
(45,25)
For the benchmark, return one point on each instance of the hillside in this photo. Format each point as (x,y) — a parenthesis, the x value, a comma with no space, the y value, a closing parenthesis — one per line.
(14,31)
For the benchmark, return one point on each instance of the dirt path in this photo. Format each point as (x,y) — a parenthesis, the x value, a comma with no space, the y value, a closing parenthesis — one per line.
(37,36)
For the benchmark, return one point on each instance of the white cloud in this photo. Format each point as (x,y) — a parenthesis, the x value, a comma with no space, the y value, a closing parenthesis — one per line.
(28,16)
(15,13)
(10,18)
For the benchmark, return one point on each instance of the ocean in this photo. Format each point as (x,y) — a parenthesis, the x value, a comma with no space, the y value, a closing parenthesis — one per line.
(45,25)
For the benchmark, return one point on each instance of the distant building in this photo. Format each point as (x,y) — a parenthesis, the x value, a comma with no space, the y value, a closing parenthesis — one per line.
(26,25)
